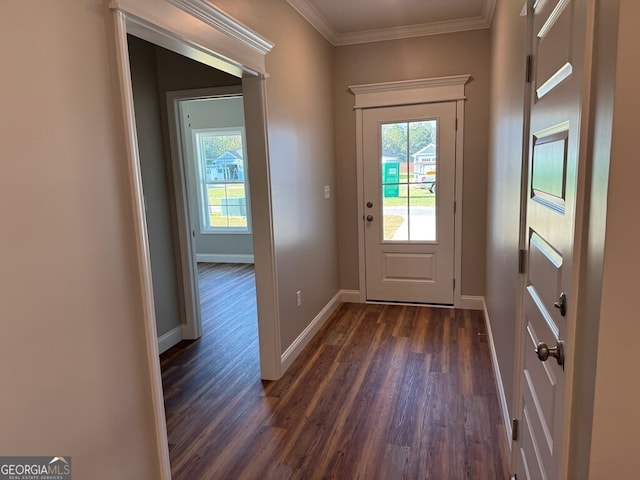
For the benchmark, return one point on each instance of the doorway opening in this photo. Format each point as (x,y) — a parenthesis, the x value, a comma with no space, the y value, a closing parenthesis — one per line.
(209,152)
(409,188)
(244,60)
(199,186)
(409,158)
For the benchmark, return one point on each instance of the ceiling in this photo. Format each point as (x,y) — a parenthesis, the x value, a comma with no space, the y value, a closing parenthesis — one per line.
(345,22)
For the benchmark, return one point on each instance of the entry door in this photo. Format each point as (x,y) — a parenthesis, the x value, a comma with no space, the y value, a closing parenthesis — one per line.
(409,172)
(558,51)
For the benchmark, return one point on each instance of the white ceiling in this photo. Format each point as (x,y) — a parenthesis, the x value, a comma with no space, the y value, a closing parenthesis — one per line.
(345,22)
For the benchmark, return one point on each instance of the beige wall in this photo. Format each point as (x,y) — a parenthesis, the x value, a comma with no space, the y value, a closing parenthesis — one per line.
(505,169)
(75,379)
(616,419)
(301,148)
(432,56)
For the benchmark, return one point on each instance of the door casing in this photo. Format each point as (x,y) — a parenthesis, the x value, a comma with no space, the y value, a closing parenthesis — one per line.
(170,26)
(423,270)
(429,90)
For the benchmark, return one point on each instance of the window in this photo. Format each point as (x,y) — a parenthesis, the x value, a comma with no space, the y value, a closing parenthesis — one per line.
(221,170)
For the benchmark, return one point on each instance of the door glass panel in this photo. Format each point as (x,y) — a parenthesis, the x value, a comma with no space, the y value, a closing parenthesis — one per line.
(395,212)
(409,180)
(422,214)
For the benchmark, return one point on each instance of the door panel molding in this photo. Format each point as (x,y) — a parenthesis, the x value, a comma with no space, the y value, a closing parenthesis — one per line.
(427,90)
(560,36)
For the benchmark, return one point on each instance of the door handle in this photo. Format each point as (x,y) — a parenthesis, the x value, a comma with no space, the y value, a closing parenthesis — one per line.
(544,352)
(369,218)
(369,204)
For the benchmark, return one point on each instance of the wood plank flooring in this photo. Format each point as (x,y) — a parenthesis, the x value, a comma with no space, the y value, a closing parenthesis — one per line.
(382,392)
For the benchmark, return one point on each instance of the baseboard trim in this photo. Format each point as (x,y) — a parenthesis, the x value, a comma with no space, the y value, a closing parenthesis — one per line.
(502,399)
(223,258)
(169,339)
(307,334)
(469,302)
(350,296)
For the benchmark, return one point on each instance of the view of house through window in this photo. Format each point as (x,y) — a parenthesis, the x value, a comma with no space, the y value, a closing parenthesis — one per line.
(221,169)
(408,165)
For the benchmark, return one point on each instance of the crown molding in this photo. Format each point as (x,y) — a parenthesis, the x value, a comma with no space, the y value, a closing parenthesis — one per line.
(410,31)
(488,11)
(320,23)
(316,19)
(219,20)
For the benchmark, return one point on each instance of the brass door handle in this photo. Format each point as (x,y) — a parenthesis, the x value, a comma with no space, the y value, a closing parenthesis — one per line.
(544,352)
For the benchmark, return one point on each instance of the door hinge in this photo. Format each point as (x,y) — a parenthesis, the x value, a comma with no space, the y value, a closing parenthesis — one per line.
(455,207)
(522,260)
(456,124)
(529,67)
(454,283)
(514,429)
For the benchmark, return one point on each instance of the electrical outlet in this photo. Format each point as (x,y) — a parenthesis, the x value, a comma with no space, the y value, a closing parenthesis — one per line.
(327,191)
(298,299)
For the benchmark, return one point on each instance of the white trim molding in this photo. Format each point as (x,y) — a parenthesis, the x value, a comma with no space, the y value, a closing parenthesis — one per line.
(311,14)
(224,23)
(169,339)
(470,302)
(502,398)
(296,347)
(141,241)
(223,258)
(351,296)
(198,31)
(407,92)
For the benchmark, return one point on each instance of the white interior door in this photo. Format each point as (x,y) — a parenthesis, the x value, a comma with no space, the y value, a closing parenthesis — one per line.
(558,50)
(409,180)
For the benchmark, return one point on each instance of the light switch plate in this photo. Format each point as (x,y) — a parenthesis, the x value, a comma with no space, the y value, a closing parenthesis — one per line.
(327,191)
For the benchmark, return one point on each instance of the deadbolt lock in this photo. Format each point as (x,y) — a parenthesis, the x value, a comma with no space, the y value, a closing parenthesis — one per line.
(561,304)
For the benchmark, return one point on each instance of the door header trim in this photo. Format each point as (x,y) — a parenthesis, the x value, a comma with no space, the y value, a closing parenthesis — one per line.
(197,30)
(405,92)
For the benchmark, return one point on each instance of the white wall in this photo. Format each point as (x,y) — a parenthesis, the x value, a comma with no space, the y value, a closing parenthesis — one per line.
(73,366)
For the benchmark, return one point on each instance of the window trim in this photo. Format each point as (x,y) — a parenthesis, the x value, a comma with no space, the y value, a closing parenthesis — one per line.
(203,204)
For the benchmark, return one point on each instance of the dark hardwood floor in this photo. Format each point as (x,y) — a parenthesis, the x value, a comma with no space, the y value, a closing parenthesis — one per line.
(382,392)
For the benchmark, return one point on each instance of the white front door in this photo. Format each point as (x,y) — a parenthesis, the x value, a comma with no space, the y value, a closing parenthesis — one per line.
(409,180)
(554,137)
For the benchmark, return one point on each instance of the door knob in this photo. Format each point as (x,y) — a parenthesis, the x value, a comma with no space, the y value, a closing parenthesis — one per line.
(369,204)
(561,304)
(369,218)
(543,351)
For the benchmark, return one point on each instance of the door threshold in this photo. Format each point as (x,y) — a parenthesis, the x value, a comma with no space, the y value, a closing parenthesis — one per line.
(410,304)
